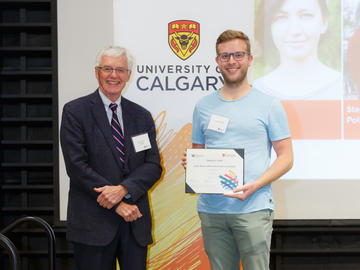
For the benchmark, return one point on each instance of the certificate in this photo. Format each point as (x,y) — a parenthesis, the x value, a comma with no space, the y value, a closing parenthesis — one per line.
(214,170)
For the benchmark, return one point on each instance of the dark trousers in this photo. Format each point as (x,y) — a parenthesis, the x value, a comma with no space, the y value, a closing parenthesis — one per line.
(130,254)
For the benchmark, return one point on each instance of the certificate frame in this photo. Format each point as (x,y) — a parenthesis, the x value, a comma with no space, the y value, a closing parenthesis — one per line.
(214,171)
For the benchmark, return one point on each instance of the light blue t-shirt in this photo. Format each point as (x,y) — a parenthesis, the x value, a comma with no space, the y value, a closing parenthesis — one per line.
(255,120)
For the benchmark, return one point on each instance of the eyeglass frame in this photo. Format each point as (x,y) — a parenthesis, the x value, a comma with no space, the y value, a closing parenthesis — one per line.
(118,70)
(233,55)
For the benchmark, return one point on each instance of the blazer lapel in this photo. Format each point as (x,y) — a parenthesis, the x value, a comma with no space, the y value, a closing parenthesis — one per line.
(99,114)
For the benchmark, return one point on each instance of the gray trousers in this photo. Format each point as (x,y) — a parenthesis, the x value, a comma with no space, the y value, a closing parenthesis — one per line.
(231,237)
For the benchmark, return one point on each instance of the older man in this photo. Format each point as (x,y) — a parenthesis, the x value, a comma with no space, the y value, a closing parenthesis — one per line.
(112,159)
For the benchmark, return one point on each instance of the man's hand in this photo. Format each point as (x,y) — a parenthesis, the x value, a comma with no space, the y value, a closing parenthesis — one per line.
(195,146)
(281,165)
(243,192)
(129,212)
(183,160)
(110,195)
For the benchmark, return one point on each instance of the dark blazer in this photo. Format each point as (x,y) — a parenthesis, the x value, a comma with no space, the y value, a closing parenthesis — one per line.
(92,161)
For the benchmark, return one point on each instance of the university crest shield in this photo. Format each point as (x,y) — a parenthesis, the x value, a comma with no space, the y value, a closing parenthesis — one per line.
(184,37)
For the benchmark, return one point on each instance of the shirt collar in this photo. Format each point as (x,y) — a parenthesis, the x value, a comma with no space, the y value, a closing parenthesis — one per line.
(107,101)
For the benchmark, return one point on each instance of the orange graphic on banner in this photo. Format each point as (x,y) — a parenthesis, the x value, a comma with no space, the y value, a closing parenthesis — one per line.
(178,243)
(314,119)
(352,119)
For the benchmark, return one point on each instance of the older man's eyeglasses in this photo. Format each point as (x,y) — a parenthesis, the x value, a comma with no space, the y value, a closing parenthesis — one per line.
(118,70)
(238,56)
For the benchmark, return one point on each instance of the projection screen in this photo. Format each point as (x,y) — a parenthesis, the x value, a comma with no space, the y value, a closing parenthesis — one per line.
(324,118)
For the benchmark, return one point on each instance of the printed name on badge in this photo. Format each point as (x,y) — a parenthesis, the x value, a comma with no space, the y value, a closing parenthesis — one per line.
(218,123)
(141,142)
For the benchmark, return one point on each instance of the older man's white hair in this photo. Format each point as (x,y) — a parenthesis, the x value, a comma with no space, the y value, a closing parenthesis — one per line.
(116,51)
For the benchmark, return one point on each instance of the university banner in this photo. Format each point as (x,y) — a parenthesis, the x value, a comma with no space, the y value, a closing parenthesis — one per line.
(174,47)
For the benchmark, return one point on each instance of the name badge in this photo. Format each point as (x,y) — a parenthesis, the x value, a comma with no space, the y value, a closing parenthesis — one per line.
(141,142)
(218,123)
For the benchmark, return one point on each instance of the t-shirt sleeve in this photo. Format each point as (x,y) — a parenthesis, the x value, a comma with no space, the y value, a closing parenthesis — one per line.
(197,133)
(278,126)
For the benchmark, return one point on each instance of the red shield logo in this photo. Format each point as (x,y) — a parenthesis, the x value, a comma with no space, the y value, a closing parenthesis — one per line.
(184,37)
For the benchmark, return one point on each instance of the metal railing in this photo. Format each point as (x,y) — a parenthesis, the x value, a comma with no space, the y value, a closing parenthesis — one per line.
(12,249)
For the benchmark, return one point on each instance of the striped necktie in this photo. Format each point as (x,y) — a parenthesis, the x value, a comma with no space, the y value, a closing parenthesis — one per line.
(117,133)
